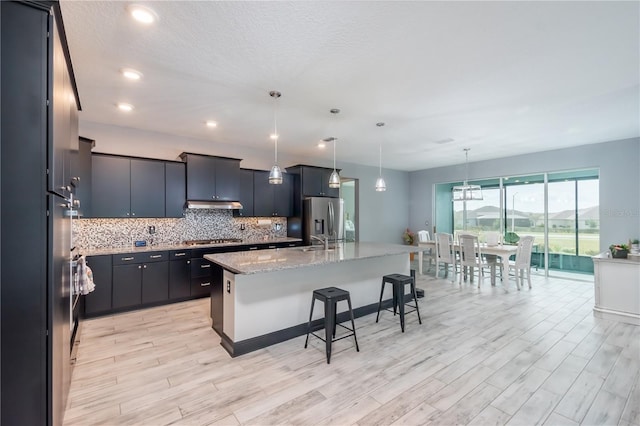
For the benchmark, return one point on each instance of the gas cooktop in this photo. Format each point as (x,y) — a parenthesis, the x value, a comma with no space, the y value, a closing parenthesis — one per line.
(212,241)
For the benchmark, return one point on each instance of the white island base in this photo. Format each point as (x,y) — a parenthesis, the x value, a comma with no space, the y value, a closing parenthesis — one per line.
(617,288)
(261,308)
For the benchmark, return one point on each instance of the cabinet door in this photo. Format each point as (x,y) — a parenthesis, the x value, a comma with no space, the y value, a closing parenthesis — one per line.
(127,285)
(110,186)
(263,194)
(312,181)
(147,188)
(227,176)
(200,177)
(283,197)
(175,189)
(99,300)
(324,182)
(246,193)
(82,168)
(179,279)
(155,282)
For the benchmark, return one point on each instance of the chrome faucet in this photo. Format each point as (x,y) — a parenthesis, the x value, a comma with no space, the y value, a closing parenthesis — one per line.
(323,239)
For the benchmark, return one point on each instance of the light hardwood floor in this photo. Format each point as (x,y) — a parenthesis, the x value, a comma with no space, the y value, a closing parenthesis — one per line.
(481,357)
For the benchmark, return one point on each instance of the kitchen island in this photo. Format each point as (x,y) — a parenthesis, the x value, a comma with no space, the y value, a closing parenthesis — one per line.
(617,288)
(266,295)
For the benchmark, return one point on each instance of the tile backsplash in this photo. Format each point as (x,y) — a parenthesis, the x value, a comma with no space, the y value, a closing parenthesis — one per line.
(196,225)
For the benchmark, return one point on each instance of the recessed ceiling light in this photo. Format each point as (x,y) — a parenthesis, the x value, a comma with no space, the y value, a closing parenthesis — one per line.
(211,123)
(142,14)
(125,107)
(131,74)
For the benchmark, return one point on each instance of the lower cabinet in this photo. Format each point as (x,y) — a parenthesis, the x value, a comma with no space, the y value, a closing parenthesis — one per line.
(155,282)
(99,300)
(127,285)
(179,279)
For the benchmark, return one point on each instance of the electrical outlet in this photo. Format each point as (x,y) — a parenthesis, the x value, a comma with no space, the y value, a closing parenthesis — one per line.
(242,226)
(278,226)
(152,229)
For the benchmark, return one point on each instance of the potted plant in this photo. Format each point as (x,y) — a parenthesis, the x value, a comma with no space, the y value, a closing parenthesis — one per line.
(635,246)
(619,251)
(409,238)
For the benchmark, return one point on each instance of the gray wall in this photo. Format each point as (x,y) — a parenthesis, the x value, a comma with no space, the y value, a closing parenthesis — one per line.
(618,162)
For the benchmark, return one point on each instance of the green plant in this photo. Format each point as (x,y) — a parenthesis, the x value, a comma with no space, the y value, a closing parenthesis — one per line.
(615,248)
(408,236)
(635,241)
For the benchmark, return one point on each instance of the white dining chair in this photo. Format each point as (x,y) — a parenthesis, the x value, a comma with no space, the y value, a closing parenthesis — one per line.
(429,252)
(522,262)
(470,257)
(445,253)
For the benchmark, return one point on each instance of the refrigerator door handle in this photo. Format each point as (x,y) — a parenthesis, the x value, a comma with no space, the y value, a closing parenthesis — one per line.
(331,219)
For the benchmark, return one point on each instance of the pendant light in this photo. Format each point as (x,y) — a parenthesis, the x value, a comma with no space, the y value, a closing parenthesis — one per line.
(275,175)
(466,192)
(334,179)
(380,183)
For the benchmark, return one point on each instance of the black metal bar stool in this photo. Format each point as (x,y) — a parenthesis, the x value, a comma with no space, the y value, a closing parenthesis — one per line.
(399,281)
(330,296)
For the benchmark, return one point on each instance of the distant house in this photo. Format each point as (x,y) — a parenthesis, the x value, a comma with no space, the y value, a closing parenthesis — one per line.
(489,217)
(588,218)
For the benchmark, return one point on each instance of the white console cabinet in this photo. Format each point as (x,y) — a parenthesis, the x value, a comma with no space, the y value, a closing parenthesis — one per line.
(617,288)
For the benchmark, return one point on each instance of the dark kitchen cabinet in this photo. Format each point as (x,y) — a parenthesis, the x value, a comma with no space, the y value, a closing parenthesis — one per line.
(269,199)
(127,285)
(110,186)
(315,182)
(212,178)
(99,300)
(155,282)
(147,188)
(133,187)
(140,278)
(175,189)
(245,181)
(179,274)
(81,168)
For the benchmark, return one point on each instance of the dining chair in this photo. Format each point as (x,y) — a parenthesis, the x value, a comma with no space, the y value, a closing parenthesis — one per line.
(492,239)
(470,257)
(423,237)
(522,262)
(445,253)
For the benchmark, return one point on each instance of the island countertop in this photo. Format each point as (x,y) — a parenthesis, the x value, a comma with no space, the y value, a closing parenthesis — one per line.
(254,262)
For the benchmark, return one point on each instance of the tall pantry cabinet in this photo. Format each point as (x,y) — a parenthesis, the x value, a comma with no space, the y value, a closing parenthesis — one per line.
(38,131)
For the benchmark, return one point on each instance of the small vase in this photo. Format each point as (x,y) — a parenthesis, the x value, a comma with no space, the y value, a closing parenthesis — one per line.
(412,256)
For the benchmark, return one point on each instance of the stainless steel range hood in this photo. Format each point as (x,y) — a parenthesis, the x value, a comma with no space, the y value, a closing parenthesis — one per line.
(225,205)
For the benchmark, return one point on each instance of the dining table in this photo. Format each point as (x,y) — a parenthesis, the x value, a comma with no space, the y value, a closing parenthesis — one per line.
(503,251)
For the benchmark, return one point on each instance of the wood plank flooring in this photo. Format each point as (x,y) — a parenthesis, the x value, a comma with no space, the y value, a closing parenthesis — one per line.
(481,357)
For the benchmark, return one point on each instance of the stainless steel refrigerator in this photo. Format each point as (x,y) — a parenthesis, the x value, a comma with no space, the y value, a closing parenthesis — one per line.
(323,217)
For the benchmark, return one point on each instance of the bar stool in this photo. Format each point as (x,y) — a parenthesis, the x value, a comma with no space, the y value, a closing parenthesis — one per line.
(399,281)
(330,296)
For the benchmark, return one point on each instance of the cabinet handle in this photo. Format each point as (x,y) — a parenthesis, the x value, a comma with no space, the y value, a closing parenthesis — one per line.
(272,246)
(180,254)
(292,245)
(253,248)
(205,266)
(204,284)
(145,266)
(139,267)
(127,213)
(127,258)
(133,214)
(155,256)
(188,262)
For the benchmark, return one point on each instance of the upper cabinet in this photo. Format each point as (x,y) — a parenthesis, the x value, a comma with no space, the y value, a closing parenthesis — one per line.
(175,189)
(246,193)
(314,181)
(269,199)
(81,168)
(136,187)
(212,178)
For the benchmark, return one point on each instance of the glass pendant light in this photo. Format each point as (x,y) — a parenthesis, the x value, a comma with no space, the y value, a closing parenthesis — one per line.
(334,179)
(466,192)
(380,183)
(275,175)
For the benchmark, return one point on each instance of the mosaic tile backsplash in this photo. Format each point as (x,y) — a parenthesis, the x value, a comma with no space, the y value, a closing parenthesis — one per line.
(196,225)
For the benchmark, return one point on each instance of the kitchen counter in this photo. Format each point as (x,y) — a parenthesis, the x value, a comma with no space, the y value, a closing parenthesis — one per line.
(266,295)
(617,288)
(182,246)
(300,257)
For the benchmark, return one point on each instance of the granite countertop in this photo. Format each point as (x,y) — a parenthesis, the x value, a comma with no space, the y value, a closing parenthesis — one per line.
(252,262)
(182,246)
(606,256)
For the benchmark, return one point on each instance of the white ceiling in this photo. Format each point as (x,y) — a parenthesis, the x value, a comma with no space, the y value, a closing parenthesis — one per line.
(502,78)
